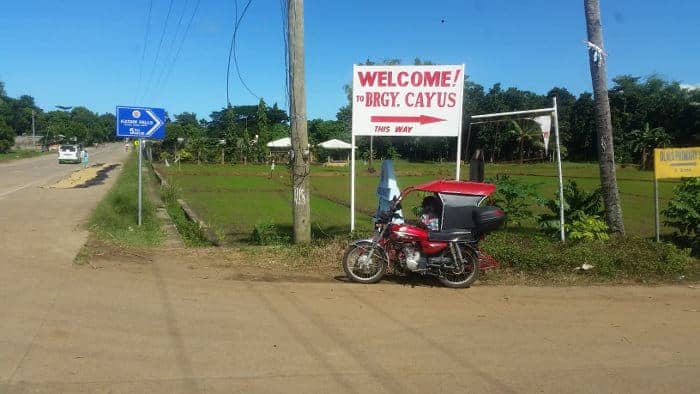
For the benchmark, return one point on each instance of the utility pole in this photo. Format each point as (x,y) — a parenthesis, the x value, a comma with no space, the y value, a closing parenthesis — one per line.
(606,153)
(33,132)
(300,140)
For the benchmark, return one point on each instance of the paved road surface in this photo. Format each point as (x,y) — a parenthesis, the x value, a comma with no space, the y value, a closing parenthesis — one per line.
(154,327)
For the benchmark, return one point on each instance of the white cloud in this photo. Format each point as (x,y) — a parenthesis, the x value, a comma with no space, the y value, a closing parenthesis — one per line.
(690,86)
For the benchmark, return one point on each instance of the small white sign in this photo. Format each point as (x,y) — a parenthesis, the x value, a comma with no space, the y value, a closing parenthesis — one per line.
(407,100)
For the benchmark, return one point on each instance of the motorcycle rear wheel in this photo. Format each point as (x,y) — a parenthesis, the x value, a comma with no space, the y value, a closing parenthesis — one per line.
(358,265)
(465,277)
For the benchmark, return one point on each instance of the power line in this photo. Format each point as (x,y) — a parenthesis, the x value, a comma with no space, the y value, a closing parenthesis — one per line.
(145,44)
(158,81)
(235,58)
(160,45)
(284,5)
(232,50)
(182,41)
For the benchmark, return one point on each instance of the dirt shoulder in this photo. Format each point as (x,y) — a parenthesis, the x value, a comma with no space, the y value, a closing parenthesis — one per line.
(302,264)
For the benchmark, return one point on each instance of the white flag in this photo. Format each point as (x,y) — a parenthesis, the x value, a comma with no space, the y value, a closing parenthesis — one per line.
(545,122)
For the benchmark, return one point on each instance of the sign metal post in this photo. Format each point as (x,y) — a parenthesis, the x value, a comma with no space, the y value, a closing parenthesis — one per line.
(140,174)
(140,123)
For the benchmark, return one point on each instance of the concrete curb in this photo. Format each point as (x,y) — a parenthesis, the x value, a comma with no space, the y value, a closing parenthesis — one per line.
(208,233)
(206,230)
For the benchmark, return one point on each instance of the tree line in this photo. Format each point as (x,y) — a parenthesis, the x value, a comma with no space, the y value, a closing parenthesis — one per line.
(64,124)
(646,113)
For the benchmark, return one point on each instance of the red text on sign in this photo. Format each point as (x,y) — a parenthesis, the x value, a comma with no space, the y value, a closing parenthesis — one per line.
(383,99)
(430,99)
(404,78)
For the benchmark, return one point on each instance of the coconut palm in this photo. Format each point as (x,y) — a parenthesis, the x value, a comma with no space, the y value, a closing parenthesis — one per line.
(524,135)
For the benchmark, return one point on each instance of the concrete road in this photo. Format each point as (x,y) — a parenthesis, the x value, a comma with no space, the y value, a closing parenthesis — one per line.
(159,326)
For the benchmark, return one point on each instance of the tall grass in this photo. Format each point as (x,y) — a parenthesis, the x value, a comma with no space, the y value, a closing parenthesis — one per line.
(115,219)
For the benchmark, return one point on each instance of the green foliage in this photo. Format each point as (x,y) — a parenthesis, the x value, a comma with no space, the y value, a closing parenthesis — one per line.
(644,141)
(267,233)
(526,136)
(21,154)
(683,211)
(392,153)
(514,197)
(588,228)
(579,205)
(7,137)
(619,258)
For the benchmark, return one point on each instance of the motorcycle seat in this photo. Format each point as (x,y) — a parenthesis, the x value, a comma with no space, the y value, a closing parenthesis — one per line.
(451,235)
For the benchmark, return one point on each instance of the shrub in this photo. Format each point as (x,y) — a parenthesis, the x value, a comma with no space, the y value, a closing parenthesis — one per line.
(683,212)
(267,233)
(620,258)
(587,227)
(7,137)
(579,205)
(514,197)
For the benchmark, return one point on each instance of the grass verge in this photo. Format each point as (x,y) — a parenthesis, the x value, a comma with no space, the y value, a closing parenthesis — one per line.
(21,154)
(189,231)
(524,258)
(115,219)
(537,258)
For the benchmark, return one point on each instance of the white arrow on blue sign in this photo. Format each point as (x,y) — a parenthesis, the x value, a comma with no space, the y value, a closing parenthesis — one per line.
(141,122)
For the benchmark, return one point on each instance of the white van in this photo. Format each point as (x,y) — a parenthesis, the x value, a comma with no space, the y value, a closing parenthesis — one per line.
(69,154)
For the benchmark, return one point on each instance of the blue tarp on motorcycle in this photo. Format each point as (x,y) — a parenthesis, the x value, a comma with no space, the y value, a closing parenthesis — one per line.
(387,189)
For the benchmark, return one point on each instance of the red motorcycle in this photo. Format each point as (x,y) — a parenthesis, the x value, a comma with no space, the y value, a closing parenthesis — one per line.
(449,252)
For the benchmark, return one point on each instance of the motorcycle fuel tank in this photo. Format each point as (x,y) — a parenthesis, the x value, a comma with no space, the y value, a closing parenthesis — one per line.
(408,233)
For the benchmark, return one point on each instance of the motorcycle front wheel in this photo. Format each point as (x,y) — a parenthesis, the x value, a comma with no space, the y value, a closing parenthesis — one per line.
(465,275)
(364,262)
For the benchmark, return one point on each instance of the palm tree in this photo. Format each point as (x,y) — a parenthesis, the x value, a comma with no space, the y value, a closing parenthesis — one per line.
(606,151)
(644,141)
(523,135)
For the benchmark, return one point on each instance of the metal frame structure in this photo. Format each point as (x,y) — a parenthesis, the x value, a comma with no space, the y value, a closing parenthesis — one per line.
(480,119)
(503,116)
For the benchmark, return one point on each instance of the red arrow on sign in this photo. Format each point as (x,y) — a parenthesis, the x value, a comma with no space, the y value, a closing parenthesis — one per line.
(422,119)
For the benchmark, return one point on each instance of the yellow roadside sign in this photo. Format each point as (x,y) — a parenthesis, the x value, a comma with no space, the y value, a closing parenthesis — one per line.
(677,163)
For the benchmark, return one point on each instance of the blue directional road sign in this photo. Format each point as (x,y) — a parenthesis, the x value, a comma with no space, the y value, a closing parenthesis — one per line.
(141,122)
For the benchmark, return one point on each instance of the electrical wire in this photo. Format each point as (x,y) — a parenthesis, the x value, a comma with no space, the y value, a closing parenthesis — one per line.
(235,58)
(284,5)
(143,53)
(170,66)
(171,49)
(160,46)
(232,53)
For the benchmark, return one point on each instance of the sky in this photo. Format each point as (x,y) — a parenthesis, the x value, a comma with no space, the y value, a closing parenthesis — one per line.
(100,54)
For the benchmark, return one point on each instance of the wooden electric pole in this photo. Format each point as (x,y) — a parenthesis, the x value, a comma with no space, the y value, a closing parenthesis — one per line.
(300,140)
(606,152)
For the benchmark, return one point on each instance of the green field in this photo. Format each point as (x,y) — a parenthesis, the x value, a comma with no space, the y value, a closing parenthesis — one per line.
(233,199)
